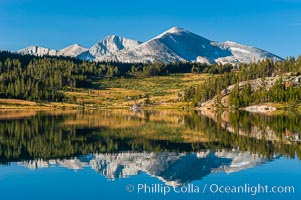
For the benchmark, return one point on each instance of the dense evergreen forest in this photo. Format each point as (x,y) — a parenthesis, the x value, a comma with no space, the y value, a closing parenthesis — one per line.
(279,92)
(44,78)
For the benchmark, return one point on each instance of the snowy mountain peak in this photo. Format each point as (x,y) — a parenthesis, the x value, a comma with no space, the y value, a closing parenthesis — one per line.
(172,31)
(111,37)
(111,45)
(75,45)
(176,29)
(230,42)
(72,50)
(38,51)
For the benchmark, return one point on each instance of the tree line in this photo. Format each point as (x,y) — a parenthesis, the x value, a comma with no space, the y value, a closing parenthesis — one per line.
(44,78)
(239,97)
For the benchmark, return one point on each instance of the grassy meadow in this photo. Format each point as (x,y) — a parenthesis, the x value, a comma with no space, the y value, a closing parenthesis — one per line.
(153,92)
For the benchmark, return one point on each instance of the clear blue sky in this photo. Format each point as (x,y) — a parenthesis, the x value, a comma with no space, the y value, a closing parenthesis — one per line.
(273,25)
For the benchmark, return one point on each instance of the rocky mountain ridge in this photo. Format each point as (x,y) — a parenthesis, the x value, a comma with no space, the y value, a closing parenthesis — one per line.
(173,45)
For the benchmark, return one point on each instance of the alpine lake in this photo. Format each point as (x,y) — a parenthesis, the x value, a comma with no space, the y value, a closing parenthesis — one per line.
(163,154)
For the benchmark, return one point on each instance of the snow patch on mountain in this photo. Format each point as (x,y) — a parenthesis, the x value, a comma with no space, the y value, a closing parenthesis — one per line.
(205,60)
(238,50)
(242,53)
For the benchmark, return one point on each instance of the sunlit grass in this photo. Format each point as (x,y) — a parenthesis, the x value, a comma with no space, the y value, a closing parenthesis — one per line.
(163,91)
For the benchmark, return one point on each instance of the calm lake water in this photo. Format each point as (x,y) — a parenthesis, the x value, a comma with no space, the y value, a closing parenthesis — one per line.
(121,154)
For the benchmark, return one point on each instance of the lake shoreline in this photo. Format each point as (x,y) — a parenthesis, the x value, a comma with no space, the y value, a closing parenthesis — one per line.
(16,104)
(23,105)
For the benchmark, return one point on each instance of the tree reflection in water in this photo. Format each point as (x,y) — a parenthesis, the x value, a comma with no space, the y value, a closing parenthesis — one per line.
(58,135)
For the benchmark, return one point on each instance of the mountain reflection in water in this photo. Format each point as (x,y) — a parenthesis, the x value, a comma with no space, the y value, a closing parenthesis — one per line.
(170,167)
(176,147)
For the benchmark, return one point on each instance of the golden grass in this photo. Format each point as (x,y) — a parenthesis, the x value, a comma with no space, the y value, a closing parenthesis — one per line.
(190,79)
(17,102)
(163,92)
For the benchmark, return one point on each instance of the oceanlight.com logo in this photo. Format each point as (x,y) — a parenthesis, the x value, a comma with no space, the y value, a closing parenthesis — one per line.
(209,188)
(251,189)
